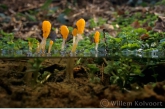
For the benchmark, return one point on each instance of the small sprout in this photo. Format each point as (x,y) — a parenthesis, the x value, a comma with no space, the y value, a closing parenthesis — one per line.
(96,38)
(74,33)
(64,32)
(46,28)
(50,46)
(80,30)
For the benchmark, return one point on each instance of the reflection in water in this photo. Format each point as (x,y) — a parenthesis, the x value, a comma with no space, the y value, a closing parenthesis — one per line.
(155,53)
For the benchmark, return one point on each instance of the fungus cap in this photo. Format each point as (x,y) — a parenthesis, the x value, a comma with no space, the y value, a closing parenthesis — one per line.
(64,31)
(51,42)
(96,37)
(74,32)
(80,25)
(46,27)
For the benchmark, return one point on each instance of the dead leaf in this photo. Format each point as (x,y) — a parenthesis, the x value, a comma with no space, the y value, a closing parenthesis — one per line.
(110,31)
(121,12)
(145,26)
(159,25)
(144,36)
(148,28)
(135,24)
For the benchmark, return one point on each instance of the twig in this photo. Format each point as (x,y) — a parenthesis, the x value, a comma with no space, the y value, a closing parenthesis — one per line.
(126,90)
(105,61)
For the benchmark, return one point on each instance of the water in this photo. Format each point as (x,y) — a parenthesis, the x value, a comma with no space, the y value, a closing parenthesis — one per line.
(155,54)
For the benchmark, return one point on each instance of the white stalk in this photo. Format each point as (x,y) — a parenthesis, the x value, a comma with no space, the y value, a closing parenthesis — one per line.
(42,44)
(50,47)
(79,37)
(96,54)
(74,39)
(96,47)
(63,44)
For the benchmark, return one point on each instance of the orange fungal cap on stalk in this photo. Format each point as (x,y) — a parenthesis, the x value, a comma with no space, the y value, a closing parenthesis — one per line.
(46,27)
(51,42)
(74,32)
(64,31)
(96,37)
(80,25)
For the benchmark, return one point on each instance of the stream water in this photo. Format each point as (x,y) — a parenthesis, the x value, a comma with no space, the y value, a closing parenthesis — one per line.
(155,54)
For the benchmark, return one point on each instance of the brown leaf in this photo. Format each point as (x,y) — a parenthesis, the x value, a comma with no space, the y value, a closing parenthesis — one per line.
(136,24)
(144,36)
(159,25)
(148,28)
(121,12)
(145,26)
(109,29)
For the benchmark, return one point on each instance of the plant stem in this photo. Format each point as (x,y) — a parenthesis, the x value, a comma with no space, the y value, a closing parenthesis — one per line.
(69,69)
(105,61)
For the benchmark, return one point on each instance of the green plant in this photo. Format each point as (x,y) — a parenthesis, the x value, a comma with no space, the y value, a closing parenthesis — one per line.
(99,22)
(131,46)
(32,43)
(46,5)
(120,71)
(124,22)
(162,2)
(92,70)
(33,75)
(92,23)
